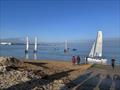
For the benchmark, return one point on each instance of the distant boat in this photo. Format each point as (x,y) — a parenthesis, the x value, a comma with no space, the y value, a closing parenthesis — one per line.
(66,47)
(95,55)
(6,43)
(35,48)
(27,45)
(74,49)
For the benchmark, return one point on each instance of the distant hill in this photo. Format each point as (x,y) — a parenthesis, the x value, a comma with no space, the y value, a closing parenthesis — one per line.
(21,41)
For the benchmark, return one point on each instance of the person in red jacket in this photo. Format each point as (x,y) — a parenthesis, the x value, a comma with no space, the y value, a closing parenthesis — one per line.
(73,60)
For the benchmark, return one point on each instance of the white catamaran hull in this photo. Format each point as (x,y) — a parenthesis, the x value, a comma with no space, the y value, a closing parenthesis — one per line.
(97,60)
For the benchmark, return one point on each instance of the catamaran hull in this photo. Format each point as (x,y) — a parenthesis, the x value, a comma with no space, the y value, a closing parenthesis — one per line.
(97,60)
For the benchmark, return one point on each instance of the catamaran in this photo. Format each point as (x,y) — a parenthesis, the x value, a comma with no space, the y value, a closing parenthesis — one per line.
(27,45)
(35,48)
(95,55)
(66,47)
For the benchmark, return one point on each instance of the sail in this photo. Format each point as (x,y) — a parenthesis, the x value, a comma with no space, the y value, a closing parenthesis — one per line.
(98,45)
(27,43)
(66,45)
(92,51)
(35,44)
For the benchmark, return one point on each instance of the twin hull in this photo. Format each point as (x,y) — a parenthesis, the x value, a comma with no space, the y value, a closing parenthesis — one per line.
(97,60)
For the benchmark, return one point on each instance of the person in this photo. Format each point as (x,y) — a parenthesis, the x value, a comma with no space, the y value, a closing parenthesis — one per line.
(73,60)
(78,60)
(113,63)
(86,60)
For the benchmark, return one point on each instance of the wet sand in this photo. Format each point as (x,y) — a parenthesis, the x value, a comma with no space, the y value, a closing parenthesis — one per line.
(100,77)
(40,74)
(51,67)
(84,76)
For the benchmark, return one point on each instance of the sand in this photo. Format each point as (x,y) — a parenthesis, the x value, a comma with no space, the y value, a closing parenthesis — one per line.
(60,75)
(52,67)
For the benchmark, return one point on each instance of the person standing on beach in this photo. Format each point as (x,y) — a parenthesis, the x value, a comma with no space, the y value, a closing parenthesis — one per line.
(73,60)
(78,60)
(113,63)
(86,60)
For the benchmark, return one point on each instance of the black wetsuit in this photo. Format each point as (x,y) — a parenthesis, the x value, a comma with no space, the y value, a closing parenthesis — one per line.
(113,63)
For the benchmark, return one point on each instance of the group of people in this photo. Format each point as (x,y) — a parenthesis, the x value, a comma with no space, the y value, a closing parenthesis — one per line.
(75,60)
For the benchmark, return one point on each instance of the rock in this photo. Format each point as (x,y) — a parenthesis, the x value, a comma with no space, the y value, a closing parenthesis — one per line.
(60,81)
(9,61)
(2,68)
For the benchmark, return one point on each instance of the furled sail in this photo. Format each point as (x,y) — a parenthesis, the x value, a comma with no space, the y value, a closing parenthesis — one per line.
(98,45)
(92,51)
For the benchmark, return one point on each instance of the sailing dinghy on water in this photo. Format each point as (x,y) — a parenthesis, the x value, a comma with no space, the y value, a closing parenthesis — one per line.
(66,47)
(27,45)
(95,55)
(35,48)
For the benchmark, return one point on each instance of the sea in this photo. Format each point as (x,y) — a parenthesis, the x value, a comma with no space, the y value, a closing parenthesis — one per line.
(55,51)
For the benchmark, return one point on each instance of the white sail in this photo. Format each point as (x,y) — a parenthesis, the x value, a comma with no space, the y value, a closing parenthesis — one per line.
(27,43)
(98,45)
(95,55)
(35,44)
(66,45)
(92,51)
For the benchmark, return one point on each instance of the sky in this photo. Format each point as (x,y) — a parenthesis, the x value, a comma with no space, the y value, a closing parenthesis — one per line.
(59,20)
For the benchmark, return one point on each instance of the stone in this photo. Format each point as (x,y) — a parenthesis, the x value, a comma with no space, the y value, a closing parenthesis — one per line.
(9,61)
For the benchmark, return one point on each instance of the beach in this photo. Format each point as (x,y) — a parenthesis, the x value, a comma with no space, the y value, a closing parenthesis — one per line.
(49,73)
(58,75)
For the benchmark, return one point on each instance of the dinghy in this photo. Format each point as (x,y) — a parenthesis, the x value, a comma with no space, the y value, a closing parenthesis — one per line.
(66,48)
(95,55)
(35,48)
(27,45)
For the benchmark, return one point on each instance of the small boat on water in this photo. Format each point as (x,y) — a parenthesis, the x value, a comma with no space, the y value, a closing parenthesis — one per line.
(66,47)
(95,55)
(5,43)
(74,49)
(35,48)
(27,45)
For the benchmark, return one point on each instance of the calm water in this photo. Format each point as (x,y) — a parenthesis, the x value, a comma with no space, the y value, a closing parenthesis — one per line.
(55,51)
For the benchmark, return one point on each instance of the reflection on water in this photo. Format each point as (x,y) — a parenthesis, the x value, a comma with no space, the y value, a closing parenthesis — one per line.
(26,56)
(35,56)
